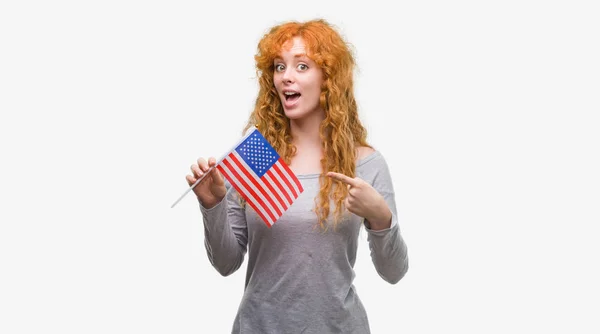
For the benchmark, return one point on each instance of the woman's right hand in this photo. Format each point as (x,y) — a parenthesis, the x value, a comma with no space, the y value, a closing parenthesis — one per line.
(211,190)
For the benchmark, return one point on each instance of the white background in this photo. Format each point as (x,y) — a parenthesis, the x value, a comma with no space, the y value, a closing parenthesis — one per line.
(485,111)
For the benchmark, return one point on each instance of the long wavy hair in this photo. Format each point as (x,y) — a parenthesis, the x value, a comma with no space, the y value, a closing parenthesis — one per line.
(341,131)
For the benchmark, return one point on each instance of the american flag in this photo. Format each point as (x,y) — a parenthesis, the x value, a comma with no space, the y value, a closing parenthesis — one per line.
(264,180)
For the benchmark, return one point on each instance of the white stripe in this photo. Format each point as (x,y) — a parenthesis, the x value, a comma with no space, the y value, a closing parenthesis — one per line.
(289,177)
(271,181)
(266,204)
(273,198)
(284,185)
(247,194)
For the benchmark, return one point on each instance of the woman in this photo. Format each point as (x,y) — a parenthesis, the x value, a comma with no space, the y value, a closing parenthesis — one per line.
(300,271)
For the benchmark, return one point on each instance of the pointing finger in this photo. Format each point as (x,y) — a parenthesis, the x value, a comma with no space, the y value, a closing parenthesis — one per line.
(343,178)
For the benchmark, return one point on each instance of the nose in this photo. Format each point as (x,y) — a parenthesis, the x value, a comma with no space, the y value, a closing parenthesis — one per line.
(288,75)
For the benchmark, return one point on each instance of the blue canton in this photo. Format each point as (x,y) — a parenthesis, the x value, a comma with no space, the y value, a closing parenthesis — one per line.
(257,153)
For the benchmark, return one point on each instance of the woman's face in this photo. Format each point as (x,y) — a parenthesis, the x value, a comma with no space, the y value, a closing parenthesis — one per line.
(297,80)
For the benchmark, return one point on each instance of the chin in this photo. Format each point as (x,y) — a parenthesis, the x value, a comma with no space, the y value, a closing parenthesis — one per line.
(294,114)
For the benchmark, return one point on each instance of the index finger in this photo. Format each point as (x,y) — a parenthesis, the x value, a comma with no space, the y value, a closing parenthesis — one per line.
(343,178)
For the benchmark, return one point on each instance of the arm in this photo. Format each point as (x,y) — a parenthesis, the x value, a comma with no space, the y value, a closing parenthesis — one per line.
(388,250)
(225,233)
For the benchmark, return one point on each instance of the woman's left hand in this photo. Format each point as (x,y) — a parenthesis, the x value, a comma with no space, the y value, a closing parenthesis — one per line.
(363,200)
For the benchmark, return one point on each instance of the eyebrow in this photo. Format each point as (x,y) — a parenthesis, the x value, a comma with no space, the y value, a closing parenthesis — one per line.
(300,55)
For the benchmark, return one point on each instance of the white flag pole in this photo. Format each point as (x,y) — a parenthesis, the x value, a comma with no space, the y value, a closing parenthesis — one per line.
(213,167)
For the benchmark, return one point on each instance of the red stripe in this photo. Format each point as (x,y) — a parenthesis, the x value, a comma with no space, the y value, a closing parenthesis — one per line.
(241,192)
(239,178)
(258,212)
(273,191)
(256,184)
(291,174)
(270,172)
(285,179)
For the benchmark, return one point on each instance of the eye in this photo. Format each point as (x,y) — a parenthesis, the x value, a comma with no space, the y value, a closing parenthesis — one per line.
(302,67)
(279,67)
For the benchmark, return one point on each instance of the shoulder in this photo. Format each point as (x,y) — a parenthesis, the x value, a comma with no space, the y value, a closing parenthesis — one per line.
(363,152)
(372,167)
(368,157)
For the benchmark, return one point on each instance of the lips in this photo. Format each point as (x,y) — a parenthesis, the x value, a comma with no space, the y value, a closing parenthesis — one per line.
(290,98)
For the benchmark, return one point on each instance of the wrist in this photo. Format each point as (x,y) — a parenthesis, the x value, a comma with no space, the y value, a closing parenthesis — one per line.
(208,203)
(381,221)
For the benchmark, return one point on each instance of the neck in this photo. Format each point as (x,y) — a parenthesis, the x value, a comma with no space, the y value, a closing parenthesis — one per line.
(305,132)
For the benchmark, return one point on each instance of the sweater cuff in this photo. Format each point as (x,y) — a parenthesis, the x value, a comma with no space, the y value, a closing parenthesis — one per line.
(215,217)
(214,208)
(385,231)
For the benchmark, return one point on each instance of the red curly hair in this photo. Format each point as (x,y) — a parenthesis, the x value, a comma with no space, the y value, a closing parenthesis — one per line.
(341,131)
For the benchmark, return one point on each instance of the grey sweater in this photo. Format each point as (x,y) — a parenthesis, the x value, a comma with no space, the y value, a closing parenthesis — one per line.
(299,278)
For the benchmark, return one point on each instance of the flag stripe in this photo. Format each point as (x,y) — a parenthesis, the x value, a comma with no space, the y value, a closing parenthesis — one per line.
(266,180)
(288,193)
(279,186)
(257,182)
(269,222)
(291,175)
(261,177)
(242,191)
(257,198)
(272,183)
(248,188)
(285,179)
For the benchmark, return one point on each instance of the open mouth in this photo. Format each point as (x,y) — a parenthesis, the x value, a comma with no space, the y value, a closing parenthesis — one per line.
(291,96)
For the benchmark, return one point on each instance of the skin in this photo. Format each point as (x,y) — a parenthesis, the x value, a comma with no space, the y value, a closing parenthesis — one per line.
(294,71)
(364,201)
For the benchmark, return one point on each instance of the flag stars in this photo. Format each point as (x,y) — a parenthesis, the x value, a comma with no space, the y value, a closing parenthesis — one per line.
(258,153)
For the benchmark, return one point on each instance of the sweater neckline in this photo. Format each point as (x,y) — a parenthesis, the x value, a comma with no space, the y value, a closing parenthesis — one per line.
(359,163)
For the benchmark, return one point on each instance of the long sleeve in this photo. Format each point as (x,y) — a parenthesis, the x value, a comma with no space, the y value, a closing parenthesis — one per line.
(225,233)
(388,249)
(299,277)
